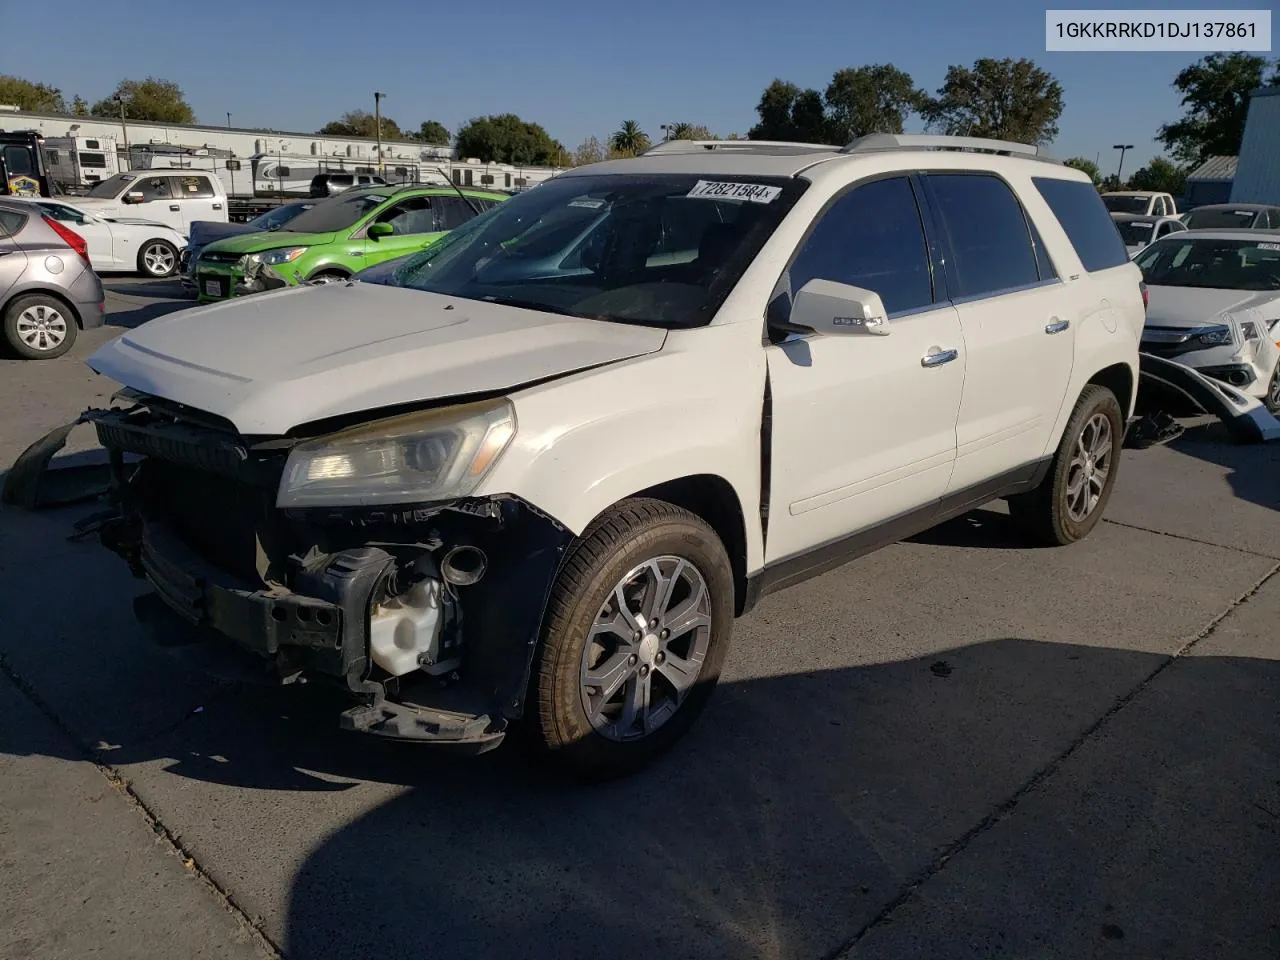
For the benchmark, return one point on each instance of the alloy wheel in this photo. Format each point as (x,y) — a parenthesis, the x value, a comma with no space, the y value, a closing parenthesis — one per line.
(1089,468)
(42,327)
(159,259)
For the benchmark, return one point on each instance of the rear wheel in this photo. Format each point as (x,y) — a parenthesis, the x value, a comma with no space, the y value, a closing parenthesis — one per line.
(1070,501)
(1272,399)
(158,258)
(39,327)
(636,634)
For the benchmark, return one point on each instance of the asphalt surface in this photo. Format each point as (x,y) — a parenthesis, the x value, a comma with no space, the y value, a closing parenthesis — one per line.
(956,747)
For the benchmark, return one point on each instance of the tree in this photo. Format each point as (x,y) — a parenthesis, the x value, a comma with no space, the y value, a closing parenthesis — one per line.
(629,140)
(589,151)
(505,138)
(149,99)
(1088,166)
(1215,92)
(79,107)
(789,113)
(874,99)
(1161,175)
(690,131)
(27,95)
(361,123)
(434,132)
(1005,99)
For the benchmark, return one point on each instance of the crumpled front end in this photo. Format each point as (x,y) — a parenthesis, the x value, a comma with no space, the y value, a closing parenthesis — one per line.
(427,615)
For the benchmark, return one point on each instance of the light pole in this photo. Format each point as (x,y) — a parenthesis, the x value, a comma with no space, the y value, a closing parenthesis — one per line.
(124,130)
(1122,147)
(228,119)
(377,122)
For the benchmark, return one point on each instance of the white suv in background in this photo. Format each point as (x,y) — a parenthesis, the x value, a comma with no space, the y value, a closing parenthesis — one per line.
(538,470)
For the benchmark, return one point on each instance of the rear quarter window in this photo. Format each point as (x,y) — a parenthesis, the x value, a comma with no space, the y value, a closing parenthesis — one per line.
(1086,222)
(11,222)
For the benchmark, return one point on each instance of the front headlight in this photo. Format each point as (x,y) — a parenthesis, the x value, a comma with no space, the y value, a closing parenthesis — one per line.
(416,458)
(283,255)
(1216,336)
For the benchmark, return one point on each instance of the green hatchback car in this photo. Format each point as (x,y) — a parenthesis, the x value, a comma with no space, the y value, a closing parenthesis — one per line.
(337,238)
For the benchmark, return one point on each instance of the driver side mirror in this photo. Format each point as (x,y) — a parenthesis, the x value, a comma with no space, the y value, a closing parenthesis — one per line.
(830,309)
(378,230)
(133,196)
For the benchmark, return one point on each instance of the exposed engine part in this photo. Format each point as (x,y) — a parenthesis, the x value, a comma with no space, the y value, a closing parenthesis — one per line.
(463,566)
(405,632)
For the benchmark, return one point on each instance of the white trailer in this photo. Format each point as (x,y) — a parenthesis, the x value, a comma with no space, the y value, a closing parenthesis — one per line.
(81,161)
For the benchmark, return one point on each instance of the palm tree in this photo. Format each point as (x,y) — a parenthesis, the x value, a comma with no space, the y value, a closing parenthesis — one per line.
(682,131)
(629,139)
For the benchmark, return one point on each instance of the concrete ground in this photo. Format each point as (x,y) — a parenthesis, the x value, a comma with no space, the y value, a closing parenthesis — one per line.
(957,747)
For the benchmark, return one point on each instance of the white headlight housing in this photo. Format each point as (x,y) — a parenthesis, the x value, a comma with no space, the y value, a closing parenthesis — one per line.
(420,457)
(282,255)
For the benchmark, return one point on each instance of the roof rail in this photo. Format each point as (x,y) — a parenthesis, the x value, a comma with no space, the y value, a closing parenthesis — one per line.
(897,141)
(767,147)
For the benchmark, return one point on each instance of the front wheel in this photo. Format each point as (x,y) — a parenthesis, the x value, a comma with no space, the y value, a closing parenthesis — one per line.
(1070,501)
(157,259)
(1272,399)
(636,634)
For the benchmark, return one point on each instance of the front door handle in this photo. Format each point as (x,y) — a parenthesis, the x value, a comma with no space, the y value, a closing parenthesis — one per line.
(939,358)
(1057,326)
(174,207)
(217,206)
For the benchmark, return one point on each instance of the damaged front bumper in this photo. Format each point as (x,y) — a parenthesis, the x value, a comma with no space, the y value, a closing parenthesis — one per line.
(426,615)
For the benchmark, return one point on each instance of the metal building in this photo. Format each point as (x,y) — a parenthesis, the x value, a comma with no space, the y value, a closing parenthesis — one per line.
(1258,172)
(1209,183)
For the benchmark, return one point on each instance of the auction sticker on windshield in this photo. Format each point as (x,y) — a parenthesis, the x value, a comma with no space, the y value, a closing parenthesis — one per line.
(718,190)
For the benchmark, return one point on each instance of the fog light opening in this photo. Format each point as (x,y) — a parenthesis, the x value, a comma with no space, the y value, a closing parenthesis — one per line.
(463,566)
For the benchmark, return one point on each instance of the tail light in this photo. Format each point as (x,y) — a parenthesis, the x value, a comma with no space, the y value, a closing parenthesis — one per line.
(70,237)
(1146,294)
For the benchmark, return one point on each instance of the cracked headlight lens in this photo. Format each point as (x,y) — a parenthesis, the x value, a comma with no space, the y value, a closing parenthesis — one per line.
(283,255)
(416,458)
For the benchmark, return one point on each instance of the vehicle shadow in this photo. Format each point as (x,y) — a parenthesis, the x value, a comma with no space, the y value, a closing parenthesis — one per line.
(136,317)
(154,289)
(986,527)
(1254,468)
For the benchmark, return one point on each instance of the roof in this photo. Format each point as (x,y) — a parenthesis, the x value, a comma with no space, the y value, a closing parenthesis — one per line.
(1262,236)
(1134,193)
(1234,206)
(1130,217)
(1215,168)
(1271,91)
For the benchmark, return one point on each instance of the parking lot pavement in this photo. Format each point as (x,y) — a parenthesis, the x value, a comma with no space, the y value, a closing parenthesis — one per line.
(956,747)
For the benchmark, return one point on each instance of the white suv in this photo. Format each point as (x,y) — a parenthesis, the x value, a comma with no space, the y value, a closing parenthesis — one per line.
(540,469)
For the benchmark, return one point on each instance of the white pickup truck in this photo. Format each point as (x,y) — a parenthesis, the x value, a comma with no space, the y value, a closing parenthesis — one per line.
(1145,203)
(177,199)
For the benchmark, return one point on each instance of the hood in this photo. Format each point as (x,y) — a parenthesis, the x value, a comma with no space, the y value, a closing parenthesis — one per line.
(207,231)
(278,360)
(1194,306)
(258,241)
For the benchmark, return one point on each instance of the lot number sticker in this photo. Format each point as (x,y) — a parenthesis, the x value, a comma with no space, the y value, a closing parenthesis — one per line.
(717,190)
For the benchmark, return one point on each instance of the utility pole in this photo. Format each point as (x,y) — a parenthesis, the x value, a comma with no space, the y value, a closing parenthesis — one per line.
(377,122)
(1122,147)
(124,130)
(228,119)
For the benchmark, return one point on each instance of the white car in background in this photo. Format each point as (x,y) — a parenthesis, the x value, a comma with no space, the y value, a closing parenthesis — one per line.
(1215,306)
(120,244)
(1147,203)
(1137,230)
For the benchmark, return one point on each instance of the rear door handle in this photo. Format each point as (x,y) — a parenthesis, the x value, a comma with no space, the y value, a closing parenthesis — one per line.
(1057,326)
(174,207)
(939,358)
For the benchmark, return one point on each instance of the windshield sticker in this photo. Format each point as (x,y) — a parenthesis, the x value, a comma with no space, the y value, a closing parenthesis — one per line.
(718,190)
(1269,246)
(587,203)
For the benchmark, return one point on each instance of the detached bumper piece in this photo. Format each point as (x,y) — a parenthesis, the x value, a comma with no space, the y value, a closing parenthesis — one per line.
(404,721)
(1164,381)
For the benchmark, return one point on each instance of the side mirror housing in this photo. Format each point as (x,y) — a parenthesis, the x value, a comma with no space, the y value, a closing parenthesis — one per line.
(133,196)
(378,230)
(831,309)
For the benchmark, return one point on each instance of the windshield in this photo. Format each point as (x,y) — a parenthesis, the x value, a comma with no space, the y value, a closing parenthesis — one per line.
(1223,218)
(339,213)
(113,187)
(1126,203)
(274,219)
(1135,232)
(1202,262)
(663,249)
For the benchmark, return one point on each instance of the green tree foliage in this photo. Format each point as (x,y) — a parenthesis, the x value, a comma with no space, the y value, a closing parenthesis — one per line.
(79,106)
(690,131)
(27,95)
(629,140)
(1162,175)
(1088,166)
(505,138)
(873,99)
(589,151)
(1005,99)
(434,132)
(361,123)
(1215,94)
(149,99)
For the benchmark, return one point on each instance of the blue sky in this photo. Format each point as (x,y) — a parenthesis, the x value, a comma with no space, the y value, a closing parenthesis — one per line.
(580,68)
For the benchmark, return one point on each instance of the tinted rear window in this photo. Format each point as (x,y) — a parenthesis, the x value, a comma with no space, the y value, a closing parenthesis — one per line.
(1086,221)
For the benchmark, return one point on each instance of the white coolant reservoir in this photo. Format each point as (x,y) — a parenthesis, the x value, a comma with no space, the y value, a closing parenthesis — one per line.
(404,631)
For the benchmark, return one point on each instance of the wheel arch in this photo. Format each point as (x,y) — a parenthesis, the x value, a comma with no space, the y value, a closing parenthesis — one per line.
(1119,379)
(329,268)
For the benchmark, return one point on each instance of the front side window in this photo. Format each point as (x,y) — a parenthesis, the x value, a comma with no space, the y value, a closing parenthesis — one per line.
(872,238)
(1218,264)
(991,248)
(341,213)
(589,246)
(153,188)
(1085,220)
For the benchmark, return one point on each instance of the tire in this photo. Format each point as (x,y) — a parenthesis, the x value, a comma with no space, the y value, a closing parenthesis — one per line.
(1272,399)
(328,276)
(635,537)
(1053,513)
(39,327)
(158,259)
